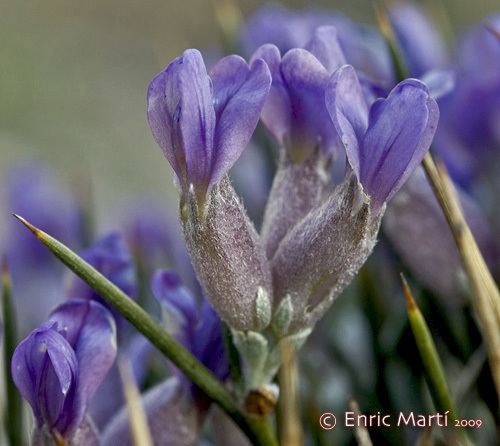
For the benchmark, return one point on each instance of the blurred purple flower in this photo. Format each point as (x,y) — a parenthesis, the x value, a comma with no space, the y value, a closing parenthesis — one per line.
(172,417)
(60,365)
(363,46)
(198,328)
(203,123)
(422,47)
(155,239)
(468,135)
(111,257)
(385,143)
(34,193)
(416,226)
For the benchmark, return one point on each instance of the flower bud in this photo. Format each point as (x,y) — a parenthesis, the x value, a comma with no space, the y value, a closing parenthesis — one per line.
(320,256)
(228,257)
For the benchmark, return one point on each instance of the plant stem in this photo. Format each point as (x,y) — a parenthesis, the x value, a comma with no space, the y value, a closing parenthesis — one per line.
(13,414)
(485,293)
(257,429)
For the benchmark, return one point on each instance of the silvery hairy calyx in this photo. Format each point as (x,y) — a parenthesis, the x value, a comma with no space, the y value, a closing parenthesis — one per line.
(342,154)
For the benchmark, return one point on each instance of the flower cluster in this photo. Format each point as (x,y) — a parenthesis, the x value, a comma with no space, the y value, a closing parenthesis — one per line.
(257,261)
(323,213)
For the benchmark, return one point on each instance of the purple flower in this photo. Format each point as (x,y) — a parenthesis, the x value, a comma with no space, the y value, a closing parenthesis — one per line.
(155,239)
(295,112)
(422,46)
(296,115)
(112,258)
(173,419)
(468,135)
(60,365)
(416,226)
(199,329)
(384,143)
(203,122)
(33,192)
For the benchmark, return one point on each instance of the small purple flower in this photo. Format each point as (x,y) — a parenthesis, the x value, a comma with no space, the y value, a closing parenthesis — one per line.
(203,122)
(384,143)
(199,329)
(422,46)
(295,112)
(60,365)
(112,258)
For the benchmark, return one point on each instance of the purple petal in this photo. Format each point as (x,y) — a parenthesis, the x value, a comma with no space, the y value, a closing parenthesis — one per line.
(239,95)
(400,131)
(182,118)
(325,46)
(111,257)
(178,302)
(90,329)
(172,417)
(44,369)
(278,25)
(422,46)
(277,111)
(209,347)
(439,82)
(306,79)
(348,110)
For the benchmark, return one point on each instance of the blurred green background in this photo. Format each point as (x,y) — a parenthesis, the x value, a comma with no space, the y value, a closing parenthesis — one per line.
(74,74)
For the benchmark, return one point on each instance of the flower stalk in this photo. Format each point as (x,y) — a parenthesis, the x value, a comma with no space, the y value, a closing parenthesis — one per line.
(257,428)
(13,416)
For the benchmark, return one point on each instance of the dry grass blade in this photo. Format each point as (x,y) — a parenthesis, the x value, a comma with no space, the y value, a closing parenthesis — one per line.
(360,431)
(485,294)
(291,432)
(137,418)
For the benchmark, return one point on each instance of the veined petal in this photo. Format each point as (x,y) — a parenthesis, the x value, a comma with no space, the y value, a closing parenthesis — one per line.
(400,131)
(239,95)
(348,110)
(44,369)
(325,46)
(277,111)
(182,118)
(90,329)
